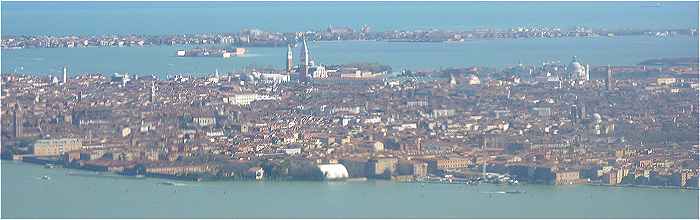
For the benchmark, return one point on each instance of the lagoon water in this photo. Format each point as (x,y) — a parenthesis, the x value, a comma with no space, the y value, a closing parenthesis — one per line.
(161,60)
(99,18)
(67,196)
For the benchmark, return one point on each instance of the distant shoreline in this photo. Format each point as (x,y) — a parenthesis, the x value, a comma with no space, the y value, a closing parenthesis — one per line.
(644,186)
(282,39)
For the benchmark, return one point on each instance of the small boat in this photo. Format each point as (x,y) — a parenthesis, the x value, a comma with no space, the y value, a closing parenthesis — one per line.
(49,166)
(356,179)
(515,192)
(497,192)
(45,178)
(172,184)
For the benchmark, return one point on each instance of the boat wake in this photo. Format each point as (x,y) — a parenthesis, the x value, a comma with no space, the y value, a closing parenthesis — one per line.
(172,184)
(498,192)
(505,192)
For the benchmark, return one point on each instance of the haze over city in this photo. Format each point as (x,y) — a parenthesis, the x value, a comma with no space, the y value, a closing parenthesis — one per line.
(359,109)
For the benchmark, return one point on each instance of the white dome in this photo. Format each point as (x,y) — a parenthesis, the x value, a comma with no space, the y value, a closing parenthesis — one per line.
(597,117)
(577,70)
(333,171)
(473,79)
(576,66)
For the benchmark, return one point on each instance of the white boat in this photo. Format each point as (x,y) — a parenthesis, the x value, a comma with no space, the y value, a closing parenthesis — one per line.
(506,192)
(172,184)
(497,192)
(49,166)
(45,178)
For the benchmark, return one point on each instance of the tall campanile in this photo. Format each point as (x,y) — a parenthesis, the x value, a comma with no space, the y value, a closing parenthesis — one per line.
(610,81)
(290,59)
(304,72)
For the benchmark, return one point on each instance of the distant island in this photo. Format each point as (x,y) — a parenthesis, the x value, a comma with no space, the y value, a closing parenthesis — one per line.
(684,61)
(259,38)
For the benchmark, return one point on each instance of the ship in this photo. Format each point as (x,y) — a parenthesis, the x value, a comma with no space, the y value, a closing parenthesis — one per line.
(497,192)
(212,52)
(172,184)
(506,192)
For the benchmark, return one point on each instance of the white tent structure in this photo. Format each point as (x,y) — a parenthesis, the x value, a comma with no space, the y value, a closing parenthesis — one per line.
(333,171)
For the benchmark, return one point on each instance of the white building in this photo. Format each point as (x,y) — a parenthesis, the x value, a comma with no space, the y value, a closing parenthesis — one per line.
(665,81)
(218,133)
(227,40)
(121,78)
(56,147)
(318,72)
(204,121)
(578,71)
(241,99)
(246,99)
(358,74)
(275,77)
(351,110)
(292,151)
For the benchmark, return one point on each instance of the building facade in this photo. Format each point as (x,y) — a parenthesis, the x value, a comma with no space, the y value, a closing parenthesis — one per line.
(56,147)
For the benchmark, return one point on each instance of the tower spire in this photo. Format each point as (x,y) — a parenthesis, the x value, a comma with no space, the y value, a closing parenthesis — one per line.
(153,91)
(65,74)
(17,121)
(289,58)
(304,60)
(609,82)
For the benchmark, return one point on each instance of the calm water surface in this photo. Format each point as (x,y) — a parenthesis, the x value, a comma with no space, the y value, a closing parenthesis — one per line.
(67,196)
(98,18)
(161,60)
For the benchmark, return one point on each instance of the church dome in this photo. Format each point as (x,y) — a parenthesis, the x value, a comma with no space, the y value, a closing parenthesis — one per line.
(473,79)
(577,70)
